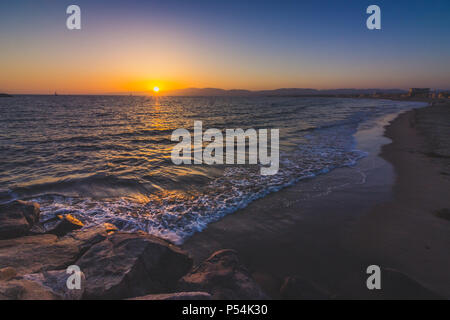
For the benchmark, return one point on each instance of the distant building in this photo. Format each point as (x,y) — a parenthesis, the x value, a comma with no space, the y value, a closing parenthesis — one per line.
(377,94)
(444,94)
(419,92)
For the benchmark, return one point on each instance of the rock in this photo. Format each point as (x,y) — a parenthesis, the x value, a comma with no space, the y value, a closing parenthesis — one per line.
(25,290)
(59,225)
(223,277)
(87,237)
(56,283)
(443,213)
(296,288)
(396,285)
(176,296)
(66,223)
(130,265)
(7,273)
(17,218)
(35,254)
(110,228)
(50,285)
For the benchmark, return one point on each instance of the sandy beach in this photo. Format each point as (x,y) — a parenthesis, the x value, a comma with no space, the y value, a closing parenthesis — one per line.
(410,232)
(392,215)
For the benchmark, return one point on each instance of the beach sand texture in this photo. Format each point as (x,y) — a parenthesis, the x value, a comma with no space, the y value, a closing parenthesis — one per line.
(396,219)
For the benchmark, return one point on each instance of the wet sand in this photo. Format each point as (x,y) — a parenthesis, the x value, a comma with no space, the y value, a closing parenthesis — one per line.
(407,232)
(330,228)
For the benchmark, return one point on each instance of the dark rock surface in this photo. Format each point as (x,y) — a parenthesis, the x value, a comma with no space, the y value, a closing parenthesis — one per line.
(65,224)
(34,254)
(114,265)
(50,285)
(443,213)
(17,218)
(176,296)
(128,265)
(296,288)
(7,273)
(56,283)
(21,289)
(224,277)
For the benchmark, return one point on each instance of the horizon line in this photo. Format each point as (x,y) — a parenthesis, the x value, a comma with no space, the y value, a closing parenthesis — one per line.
(167,92)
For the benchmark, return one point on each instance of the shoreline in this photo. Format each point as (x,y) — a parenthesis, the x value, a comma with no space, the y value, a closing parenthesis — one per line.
(332,239)
(416,239)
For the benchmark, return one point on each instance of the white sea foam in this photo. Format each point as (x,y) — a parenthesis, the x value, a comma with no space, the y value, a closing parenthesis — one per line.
(111,162)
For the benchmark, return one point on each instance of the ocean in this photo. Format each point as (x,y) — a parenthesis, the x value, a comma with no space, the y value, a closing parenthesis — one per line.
(107,158)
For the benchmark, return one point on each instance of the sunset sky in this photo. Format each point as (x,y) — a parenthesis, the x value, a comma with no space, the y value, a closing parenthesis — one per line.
(131,46)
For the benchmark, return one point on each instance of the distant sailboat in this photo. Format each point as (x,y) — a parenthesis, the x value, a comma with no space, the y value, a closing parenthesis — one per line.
(56,93)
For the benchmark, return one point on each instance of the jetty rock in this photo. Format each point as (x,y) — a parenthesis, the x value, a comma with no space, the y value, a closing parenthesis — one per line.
(38,253)
(127,265)
(176,296)
(17,218)
(224,277)
(296,288)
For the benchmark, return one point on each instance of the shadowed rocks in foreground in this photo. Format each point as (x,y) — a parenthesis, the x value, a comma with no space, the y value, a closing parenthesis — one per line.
(127,265)
(224,277)
(117,265)
(17,218)
(33,254)
(296,288)
(443,214)
(59,225)
(114,265)
(51,285)
(176,296)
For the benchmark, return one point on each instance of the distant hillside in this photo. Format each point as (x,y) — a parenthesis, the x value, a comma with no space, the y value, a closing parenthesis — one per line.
(278,92)
(209,92)
(4,95)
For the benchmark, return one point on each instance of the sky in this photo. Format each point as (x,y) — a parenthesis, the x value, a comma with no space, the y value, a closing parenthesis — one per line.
(132,46)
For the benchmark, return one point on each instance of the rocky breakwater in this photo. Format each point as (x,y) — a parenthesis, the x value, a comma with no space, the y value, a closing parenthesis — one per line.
(35,256)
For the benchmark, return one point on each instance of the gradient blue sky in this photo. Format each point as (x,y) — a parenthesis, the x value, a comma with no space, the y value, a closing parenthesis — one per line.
(134,45)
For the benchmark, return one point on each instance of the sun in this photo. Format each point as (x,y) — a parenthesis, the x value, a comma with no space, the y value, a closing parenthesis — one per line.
(155,89)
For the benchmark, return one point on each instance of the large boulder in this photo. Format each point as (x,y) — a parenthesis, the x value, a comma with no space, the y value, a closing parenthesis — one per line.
(21,289)
(443,213)
(35,254)
(7,273)
(296,288)
(67,223)
(56,283)
(17,218)
(128,265)
(60,225)
(176,296)
(50,285)
(224,277)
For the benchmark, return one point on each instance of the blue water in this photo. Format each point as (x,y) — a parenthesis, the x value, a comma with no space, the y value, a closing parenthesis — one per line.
(107,158)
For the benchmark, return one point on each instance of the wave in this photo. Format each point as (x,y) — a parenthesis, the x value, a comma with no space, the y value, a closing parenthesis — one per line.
(110,162)
(176,216)
(94,186)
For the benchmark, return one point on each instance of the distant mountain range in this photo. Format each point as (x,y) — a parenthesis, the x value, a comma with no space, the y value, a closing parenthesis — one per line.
(277,92)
